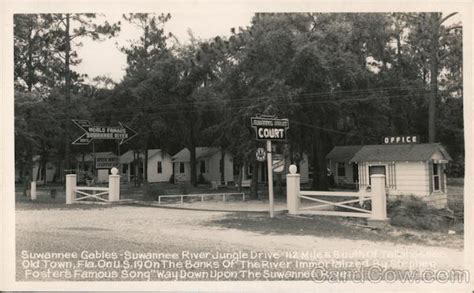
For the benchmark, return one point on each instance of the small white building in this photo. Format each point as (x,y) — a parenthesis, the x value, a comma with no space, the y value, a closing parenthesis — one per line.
(343,171)
(209,165)
(160,166)
(409,169)
(42,174)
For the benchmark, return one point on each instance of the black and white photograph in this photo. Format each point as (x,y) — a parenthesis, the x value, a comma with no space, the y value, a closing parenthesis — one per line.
(236,146)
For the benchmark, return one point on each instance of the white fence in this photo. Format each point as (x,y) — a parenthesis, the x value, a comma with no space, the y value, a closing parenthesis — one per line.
(202,196)
(75,194)
(377,197)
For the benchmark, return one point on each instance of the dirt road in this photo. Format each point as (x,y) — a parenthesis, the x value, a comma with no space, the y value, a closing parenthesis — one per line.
(125,230)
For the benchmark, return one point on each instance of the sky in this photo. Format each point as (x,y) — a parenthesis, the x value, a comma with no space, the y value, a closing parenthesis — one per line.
(104,58)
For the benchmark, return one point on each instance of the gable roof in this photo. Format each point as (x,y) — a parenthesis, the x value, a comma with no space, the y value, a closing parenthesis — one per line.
(89,157)
(184,155)
(399,152)
(343,153)
(127,157)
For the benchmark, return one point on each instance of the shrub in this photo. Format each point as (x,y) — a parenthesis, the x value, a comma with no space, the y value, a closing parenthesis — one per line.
(413,212)
(153,191)
(183,188)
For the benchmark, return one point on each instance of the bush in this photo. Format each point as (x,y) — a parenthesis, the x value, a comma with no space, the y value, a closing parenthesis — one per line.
(414,213)
(183,188)
(152,192)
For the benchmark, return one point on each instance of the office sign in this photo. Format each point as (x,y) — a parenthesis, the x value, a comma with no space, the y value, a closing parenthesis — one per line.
(120,132)
(270,128)
(401,139)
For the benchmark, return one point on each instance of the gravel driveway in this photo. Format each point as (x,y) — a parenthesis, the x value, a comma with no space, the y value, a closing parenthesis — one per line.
(125,229)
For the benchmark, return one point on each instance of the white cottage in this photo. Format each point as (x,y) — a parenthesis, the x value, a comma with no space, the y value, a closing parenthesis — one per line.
(410,169)
(43,175)
(209,165)
(338,162)
(160,166)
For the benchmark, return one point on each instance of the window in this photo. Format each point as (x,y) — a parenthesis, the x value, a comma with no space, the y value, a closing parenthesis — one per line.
(436,177)
(341,170)
(202,167)
(159,168)
(181,167)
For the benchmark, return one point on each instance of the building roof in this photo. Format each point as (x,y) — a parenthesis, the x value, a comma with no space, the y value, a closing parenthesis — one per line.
(127,157)
(89,158)
(343,153)
(184,155)
(399,152)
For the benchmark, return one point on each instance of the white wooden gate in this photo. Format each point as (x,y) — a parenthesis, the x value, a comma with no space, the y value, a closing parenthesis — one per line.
(322,204)
(75,194)
(377,197)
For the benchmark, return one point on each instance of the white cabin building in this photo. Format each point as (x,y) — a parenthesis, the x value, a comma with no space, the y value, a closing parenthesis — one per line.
(209,165)
(409,169)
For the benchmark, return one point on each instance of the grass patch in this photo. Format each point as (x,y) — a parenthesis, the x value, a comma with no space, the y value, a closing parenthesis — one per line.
(414,213)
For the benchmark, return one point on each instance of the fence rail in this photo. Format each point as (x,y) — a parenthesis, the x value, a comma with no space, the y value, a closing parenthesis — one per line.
(92,192)
(182,196)
(343,199)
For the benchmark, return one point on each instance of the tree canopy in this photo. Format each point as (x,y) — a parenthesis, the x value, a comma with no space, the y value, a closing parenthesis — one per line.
(340,78)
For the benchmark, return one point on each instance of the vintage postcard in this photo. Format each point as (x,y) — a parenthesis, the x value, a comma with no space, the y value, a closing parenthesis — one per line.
(205,145)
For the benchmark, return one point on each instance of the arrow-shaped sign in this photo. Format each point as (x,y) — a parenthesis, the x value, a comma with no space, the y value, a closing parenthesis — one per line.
(130,133)
(121,132)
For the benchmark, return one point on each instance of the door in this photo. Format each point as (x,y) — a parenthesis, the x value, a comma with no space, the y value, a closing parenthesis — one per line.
(355,172)
(376,169)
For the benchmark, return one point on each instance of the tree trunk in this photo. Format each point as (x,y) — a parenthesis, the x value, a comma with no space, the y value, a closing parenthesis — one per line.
(239,178)
(192,160)
(67,91)
(320,181)
(222,166)
(254,182)
(145,163)
(433,77)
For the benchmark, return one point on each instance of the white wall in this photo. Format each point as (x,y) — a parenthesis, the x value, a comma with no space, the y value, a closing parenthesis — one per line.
(182,177)
(213,171)
(347,178)
(50,172)
(166,165)
(411,178)
(103,175)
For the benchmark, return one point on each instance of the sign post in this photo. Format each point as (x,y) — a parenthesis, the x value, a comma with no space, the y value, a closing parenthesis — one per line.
(270,178)
(269,128)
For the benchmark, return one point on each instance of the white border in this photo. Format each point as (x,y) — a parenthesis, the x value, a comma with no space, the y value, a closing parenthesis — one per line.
(7,214)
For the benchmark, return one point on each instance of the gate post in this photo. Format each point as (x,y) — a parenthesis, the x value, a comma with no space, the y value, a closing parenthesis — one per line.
(114,185)
(33,190)
(71,181)
(379,201)
(293,191)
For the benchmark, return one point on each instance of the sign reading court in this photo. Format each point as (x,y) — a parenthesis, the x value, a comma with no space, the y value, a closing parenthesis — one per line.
(270,128)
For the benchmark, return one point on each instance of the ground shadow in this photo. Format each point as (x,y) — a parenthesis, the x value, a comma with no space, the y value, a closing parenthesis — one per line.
(320,226)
